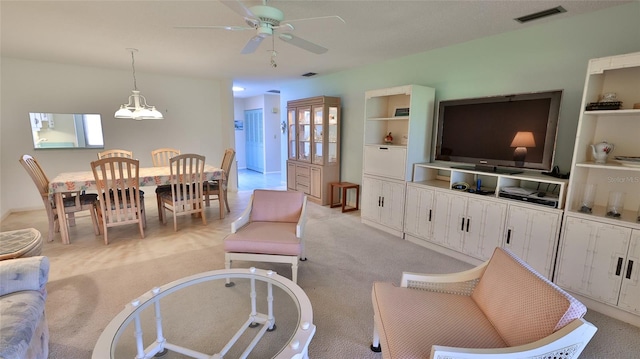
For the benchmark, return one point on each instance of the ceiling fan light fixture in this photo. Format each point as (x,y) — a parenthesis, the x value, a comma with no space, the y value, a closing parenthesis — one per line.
(136,108)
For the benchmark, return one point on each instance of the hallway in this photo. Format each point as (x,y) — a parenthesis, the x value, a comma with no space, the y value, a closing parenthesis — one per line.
(249,180)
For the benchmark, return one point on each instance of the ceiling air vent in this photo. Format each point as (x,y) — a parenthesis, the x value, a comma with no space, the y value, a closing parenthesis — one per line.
(540,14)
(309,74)
(274,91)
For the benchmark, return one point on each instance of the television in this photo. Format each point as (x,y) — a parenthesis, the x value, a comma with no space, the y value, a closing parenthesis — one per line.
(503,134)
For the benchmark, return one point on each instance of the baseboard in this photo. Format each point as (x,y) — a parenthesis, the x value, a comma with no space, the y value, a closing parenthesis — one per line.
(383,228)
(442,250)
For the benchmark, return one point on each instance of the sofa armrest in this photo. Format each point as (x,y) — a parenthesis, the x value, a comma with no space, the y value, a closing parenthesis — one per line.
(244,218)
(567,342)
(302,220)
(30,273)
(461,283)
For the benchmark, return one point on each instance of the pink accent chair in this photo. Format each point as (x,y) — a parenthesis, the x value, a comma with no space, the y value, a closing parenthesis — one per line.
(500,309)
(271,229)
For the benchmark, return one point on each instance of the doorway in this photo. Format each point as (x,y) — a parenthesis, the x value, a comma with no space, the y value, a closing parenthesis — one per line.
(254,139)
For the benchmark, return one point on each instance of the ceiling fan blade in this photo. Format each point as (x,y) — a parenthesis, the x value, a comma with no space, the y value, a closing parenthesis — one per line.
(252,45)
(231,28)
(317,18)
(302,43)
(238,8)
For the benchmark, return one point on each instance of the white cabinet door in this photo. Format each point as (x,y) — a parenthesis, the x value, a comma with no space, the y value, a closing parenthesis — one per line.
(630,290)
(392,205)
(418,212)
(592,259)
(532,235)
(449,220)
(484,227)
(371,195)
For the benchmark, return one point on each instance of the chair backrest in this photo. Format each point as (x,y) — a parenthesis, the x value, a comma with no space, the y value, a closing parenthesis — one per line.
(227,161)
(118,182)
(37,174)
(115,153)
(161,156)
(276,206)
(521,304)
(187,177)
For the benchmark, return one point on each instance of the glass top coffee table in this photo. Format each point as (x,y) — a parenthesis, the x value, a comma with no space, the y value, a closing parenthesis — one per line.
(263,315)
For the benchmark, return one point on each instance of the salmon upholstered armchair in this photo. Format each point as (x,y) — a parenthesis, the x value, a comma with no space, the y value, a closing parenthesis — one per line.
(500,309)
(271,229)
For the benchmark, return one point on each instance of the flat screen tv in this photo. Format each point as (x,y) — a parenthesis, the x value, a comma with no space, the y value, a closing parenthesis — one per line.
(505,134)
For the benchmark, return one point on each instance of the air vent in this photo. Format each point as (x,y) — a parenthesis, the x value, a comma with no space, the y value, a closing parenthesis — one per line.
(274,91)
(540,14)
(309,74)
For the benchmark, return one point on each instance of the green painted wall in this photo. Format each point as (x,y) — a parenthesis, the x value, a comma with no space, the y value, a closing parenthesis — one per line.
(551,55)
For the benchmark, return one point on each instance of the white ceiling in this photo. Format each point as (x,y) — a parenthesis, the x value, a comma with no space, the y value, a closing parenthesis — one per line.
(97,33)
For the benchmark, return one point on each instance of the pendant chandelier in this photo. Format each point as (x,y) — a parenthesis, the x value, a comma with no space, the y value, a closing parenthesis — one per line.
(137,107)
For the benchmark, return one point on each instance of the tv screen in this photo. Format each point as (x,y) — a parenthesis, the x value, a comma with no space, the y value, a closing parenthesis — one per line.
(509,131)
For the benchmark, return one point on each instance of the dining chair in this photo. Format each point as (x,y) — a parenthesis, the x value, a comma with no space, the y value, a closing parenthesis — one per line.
(160,158)
(115,153)
(219,187)
(121,202)
(186,197)
(73,201)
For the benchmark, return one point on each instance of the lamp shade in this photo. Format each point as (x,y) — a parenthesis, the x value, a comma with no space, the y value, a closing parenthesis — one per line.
(523,139)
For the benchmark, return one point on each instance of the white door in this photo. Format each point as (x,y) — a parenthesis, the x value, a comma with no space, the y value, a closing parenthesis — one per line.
(254,140)
(392,204)
(630,291)
(419,212)
(371,198)
(483,227)
(449,220)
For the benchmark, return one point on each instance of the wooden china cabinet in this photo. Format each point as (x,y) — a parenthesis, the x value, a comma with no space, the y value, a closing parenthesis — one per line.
(313,133)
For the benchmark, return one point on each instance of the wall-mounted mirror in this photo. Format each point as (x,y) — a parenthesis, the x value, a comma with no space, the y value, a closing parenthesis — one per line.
(56,130)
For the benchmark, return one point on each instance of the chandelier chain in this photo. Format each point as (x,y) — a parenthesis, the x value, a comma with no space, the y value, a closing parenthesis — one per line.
(133,66)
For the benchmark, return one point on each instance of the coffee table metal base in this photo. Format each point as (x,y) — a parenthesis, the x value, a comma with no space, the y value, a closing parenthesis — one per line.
(297,347)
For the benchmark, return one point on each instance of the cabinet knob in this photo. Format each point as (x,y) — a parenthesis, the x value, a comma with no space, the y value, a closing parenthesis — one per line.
(619,266)
(629,269)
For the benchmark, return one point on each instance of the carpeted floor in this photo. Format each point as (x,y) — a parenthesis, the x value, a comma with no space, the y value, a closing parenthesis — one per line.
(90,282)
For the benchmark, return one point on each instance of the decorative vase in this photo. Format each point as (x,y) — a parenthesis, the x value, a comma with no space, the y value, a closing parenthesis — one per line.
(601,151)
(388,138)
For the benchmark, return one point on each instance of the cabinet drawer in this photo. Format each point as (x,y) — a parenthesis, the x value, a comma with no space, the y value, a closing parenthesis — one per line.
(302,188)
(302,171)
(303,180)
(385,161)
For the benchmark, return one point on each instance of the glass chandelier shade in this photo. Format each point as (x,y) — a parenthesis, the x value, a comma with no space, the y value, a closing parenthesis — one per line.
(137,107)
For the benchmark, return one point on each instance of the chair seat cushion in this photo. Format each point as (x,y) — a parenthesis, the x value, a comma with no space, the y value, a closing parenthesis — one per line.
(85,199)
(265,238)
(163,188)
(413,320)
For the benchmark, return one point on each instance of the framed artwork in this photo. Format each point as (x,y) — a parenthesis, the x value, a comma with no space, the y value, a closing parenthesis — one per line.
(238,124)
(401,111)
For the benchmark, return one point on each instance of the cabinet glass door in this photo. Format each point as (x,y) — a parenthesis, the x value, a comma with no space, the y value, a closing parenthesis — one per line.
(318,135)
(332,138)
(304,134)
(291,126)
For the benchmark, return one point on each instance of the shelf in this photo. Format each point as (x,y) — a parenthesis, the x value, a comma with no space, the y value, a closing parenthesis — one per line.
(608,166)
(390,145)
(629,217)
(629,112)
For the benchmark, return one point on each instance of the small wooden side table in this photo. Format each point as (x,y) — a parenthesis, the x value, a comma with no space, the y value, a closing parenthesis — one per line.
(343,198)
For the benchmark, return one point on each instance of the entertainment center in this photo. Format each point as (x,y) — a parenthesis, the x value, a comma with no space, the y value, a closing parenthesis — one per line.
(582,232)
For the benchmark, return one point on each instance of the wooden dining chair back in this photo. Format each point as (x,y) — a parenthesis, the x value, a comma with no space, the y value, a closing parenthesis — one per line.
(115,153)
(219,187)
(121,202)
(186,196)
(73,201)
(161,156)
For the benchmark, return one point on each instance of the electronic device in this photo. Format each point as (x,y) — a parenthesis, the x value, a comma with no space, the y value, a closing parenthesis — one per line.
(482,131)
(543,198)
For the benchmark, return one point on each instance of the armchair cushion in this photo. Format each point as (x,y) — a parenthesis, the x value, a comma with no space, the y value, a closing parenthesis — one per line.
(523,296)
(265,238)
(414,321)
(276,206)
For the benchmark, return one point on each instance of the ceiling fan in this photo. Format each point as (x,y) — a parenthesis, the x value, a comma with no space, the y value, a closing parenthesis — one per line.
(267,21)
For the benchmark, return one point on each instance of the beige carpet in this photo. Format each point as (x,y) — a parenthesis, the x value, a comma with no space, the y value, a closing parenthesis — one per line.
(90,282)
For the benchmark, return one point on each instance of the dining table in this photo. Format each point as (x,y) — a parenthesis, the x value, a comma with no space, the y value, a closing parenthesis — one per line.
(85,181)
